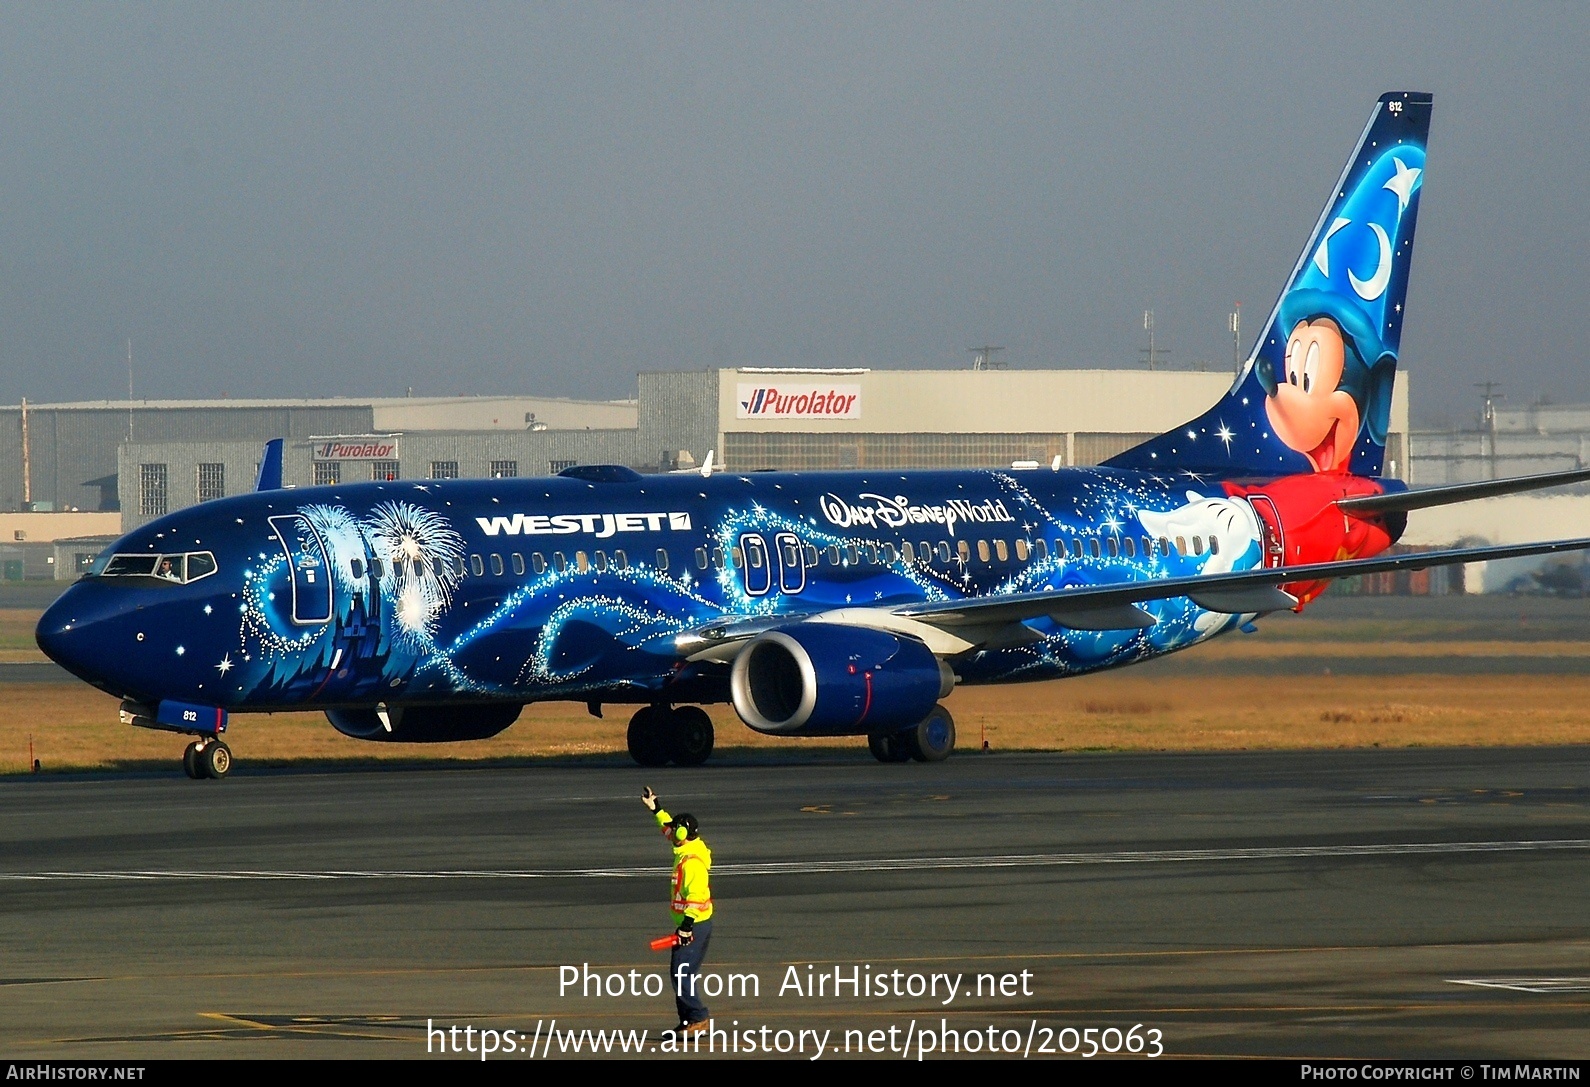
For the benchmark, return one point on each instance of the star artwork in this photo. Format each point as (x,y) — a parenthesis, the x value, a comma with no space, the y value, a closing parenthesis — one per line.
(1402,183)
(1225,434)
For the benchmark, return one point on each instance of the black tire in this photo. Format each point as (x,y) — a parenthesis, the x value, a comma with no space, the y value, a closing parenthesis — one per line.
(889,747)
(190,762)
(648,736)
(690,736)
(216,760)
(932,738)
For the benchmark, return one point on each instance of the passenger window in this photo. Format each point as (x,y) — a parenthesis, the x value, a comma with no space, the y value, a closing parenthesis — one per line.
(851,554)
(1130,546)
(356,567)
(791,552)
(1001,552)
(963,550)
(1148,547)
(601,562)
(397,568)
(1021,551)
(944,552)
(717,557)
(559,563)
(908,552)
(924,551)
(890,555)
(662,559)
(1114,547)
(737,557)
(1076,548)
(1164,545)
(1040,548)
(458,566)
(518,563)
(833,554)
(496,566)
(754,557)
(376,570)
(811,555)
(701,558)
(1181,545)
(476,567)
(982,550)
(1093,547)
(1198,545)
(582,562)
(620,560)
(537,563)
(1214,548)
(869,552)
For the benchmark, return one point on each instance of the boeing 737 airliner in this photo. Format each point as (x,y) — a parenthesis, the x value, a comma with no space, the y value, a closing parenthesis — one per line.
(817,603)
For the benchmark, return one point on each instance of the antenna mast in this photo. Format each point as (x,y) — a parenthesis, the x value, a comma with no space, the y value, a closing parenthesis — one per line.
(129,391)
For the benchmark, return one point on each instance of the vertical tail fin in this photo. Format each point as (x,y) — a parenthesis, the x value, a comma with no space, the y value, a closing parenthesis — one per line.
(270,467)
(1315,396)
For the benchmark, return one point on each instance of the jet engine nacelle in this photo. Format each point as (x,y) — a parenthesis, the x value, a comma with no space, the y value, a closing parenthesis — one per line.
(425,724)
(827,679)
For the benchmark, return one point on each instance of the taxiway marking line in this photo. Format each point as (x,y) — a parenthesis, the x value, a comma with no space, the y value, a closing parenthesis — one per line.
(885,864)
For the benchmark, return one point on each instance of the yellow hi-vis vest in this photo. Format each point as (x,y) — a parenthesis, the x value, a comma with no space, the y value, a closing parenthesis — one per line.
(692,895)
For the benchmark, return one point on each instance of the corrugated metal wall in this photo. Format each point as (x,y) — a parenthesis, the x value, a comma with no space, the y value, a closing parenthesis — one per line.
(677,411)
(532,451)
(70,447)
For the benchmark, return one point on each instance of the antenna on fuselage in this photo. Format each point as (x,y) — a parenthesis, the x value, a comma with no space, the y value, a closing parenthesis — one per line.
(706,465)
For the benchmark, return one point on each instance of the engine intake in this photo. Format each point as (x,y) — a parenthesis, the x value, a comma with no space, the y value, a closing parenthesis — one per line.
(829,679)
(425,724)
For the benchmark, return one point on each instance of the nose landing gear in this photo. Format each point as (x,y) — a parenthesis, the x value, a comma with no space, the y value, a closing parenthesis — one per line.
(207,759)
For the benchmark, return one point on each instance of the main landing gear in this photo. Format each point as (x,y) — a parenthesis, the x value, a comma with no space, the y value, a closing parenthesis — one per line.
(681,735)
(207,759)
(929,740)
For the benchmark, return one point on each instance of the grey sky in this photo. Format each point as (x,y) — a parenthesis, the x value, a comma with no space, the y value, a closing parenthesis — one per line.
(290,200)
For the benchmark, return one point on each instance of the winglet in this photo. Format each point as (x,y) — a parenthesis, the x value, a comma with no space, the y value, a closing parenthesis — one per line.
(270,467)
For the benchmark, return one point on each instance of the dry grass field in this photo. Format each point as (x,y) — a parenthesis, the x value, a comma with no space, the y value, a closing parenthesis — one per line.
(73,727)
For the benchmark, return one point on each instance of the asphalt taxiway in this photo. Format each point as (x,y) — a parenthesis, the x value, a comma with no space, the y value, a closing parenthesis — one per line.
(1406,903)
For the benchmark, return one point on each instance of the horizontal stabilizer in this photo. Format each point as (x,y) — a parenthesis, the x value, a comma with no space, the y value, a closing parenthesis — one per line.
(1425,497)
(270,467)
(1256,601)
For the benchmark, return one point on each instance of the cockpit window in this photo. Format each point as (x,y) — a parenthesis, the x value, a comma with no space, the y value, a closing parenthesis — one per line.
(131,565)
(179,569)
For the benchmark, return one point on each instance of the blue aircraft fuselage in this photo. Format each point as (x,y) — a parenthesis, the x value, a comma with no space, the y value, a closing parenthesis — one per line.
(519,590)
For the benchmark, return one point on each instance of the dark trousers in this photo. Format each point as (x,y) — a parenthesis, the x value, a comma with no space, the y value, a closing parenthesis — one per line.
(684,968)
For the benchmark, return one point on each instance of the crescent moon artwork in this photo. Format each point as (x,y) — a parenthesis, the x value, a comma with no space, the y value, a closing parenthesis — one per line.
(1375,286)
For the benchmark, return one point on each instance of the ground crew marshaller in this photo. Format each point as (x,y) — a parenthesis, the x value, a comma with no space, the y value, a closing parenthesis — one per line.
(692,910)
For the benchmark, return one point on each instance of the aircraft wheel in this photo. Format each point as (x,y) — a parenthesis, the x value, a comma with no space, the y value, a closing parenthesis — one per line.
(216,760)
(933,738)
(691,737)
(649,734)
(190,761)
(889,747)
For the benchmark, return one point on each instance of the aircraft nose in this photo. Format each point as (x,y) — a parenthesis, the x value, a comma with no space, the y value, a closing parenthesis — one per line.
(67,629)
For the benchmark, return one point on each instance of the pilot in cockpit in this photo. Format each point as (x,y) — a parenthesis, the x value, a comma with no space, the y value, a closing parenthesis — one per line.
(168,571)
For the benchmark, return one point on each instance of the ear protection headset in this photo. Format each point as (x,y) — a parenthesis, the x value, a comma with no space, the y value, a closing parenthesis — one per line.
(684,828)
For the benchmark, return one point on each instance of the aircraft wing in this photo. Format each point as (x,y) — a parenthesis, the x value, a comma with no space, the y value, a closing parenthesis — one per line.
(1114,607)
(1425,497)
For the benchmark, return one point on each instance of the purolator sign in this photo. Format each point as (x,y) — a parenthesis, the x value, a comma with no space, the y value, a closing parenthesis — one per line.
(798,400)
(357,447)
